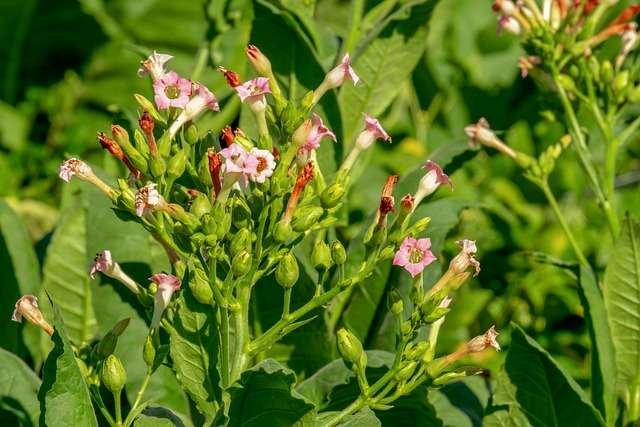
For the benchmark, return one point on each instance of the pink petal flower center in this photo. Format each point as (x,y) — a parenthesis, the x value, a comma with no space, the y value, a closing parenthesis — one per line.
(172,91)
(262,164)
(416,256)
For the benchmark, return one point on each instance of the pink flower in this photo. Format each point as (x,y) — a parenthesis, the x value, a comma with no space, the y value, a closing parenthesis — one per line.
(72,167)
(414,255)
(171,91)
(147,199)
(202,100)
(167,286)
(265,166)
(466,258)
(103,262)
(374,126)
(342,72)
(318,131)
(430,182)
(238,164)
(154,65)
(509,24)
(27,307)
(253,90)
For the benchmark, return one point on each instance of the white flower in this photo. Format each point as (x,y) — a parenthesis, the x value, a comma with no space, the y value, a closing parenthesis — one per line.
(154,65)
(147,199)
(72,167)
(266,164)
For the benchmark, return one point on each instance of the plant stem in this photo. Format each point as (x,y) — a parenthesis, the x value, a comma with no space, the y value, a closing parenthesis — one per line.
(357,10)
(143,388)
(287,303)
(544,186)
(118,405)
(224,346)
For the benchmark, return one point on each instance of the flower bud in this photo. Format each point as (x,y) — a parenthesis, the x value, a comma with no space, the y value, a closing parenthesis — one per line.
(177,165)
(435,314)
(146,105)
(191,133)
(107,344)
(332,195)
(338,253)
(122,138)
(113,374)
(405,372)
(387,253)
(241,264)
(349,347)
(199,286)
(259,61)
(620,81)
(141,143)
(240,242)
(306,217)
(200,205)
(282,231)
(287,271)
(397,305)
(149,352)
(321,256)
(157,166)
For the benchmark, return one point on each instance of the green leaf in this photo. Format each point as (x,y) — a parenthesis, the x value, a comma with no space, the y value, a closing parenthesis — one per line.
(461,403)
(622,298)
(66,277)
(156,416)
(194,351)
(363,418)
(18,391)
(384,65)
(64,396)
(264,396)
(603,358)
(21,272)
(535,384)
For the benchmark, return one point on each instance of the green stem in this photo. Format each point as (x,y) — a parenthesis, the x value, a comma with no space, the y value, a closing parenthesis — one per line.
(224,346)
(544,185)
(357,10)
(118,405)
(287,303)
(140,394)
(241,321)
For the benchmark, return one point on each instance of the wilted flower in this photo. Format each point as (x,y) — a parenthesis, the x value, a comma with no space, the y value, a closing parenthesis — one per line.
(171,91)
(75,167)
(105,264)
(148,199)
(27,307)
(154,65)
(414,255)
(233,78)
(265,166)
(253,92)
(167,286)
(481,133)
(465,259)
(528,63)
(484,341)
(202,100)
(305,176)
(630,39)
(116,151)
(317,132)
(407,203)
(430,182)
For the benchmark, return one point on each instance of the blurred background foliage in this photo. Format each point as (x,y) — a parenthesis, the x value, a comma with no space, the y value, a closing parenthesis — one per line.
(68,70)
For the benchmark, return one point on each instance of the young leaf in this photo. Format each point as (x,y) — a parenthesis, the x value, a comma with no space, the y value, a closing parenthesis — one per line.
(621,295)
(535,384)
(64,396)
(194,352)
(18,390)
(21,272)
(264,396)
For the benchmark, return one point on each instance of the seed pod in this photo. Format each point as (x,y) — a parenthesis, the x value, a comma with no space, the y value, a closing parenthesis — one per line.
(158,167)
(435,315)
(148,106)
(338,253)
(282,231)
(241,214)
(199,286)
(349,346)
(405,372)
(200,206)
(149,352)
(241,264)
(621,81)
(306,217)
(606,71)
(387,253)
(397,307)
(240,242)
(177,165)
(113,374)
(141,143)
(164,145)
(332,195)
(287,271)
(191,133)
(321,256)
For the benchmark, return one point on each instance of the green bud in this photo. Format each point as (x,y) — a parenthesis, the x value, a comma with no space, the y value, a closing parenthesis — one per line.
(405,328)
(203,171)
(164,144)
(241,242)
(141,143)
(307,100)
(419,226)
(634,94)
(332,195)
(199,286)
(113,374)
(158,166)
(405,372)
(574,71)
(107,344)
(349,346)
(455,375)
(191,133)
(241,264)
(416,352)
(200,206)
(209,224)
(387,253)
(282,231)
(620,81)
(567,83)
(306,217)
(148,106)
(606,72)
(287,271)
(397,307)
(338,253)
(436,314)
(177,165)
(241,214)
(127,197)
(149,352)
(122,138)
(594,66)
(321,256)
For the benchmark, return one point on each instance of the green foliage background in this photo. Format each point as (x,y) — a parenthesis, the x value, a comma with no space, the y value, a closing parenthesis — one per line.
(68,70)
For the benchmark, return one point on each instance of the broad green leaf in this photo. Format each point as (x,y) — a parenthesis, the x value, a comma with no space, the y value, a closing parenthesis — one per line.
(65,272)
(383,66)
(155,416)
(64,396)
(603,358)
(622,298)
(541,389)
(264,397)
(18,391)
(20,269)
(461,403)
(363,418)
(194,351)
(511,417)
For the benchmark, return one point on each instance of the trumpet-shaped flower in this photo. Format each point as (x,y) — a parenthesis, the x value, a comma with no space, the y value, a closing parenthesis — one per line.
(27,307)
(105,264)
(317,132)
(265,165)
(154,65)
(147,199)
(167,286)
(171,91)
(414,255)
